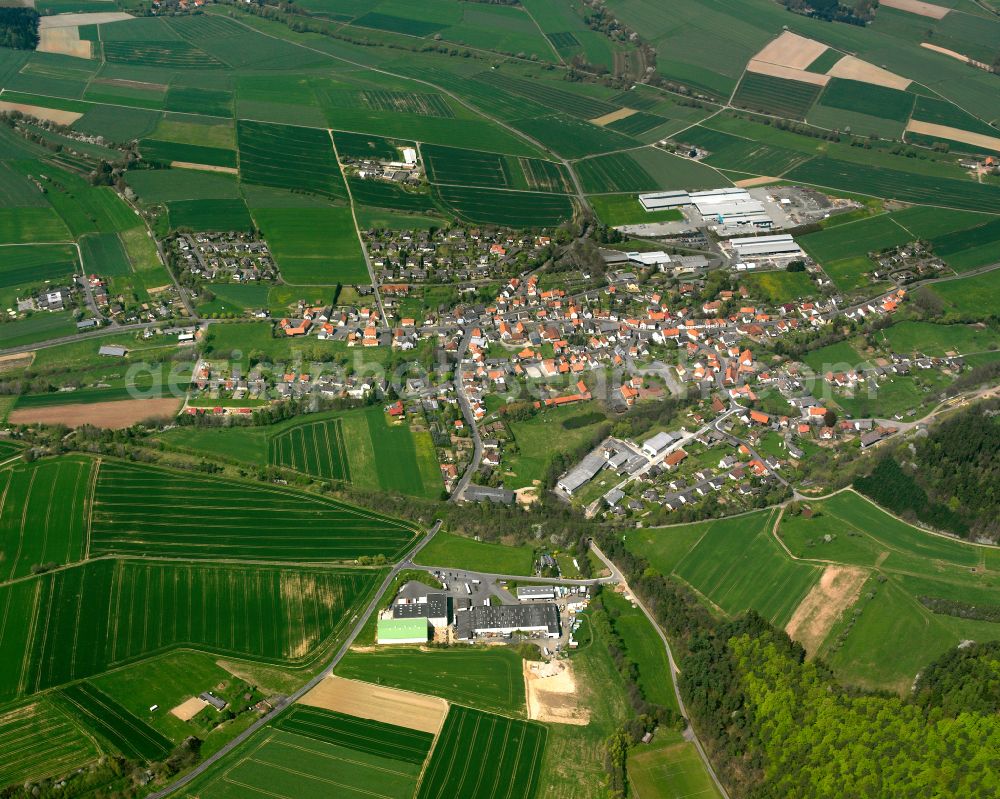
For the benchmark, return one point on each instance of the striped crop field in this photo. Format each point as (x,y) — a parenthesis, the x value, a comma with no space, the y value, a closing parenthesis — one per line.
(79,622)
(283,765)
(315,448)
(143,510)
(43,513)
(129,735)
(364,735)
(484,755)
(39,740)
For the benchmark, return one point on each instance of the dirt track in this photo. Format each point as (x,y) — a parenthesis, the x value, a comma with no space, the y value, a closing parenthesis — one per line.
(111,415)
(389,705)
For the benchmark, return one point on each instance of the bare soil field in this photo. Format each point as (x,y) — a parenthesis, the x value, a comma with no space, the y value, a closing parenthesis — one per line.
(388,705)
(551,692)
(853,68)
(791,50)
(955,134)
(17,360)
(111,415)
(204,167)
(758,181)
(188,709)
(37,111)
(836,591)
(917,7)
(65,41)
(788,73)
(75,20)
(614,116)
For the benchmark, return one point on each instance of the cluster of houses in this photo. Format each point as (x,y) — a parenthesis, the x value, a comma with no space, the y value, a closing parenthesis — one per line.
(404,170)
(224,257)
(452,255)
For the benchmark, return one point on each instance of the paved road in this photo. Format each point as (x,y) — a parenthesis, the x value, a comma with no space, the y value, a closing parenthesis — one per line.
(689,733)
(287,702)
(470,421)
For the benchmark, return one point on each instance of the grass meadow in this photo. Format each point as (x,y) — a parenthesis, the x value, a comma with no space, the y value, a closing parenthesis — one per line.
(99,712)
(458,552)
(488,678)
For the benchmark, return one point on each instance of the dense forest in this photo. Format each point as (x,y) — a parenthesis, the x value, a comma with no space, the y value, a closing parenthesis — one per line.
(777,726)
(19,28)
(950,479)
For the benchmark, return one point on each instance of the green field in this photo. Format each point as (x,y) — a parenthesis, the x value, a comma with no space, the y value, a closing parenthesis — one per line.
(316,448)
(484,755)
(735,564)
(933,339)
(289,157)
(39,740)
(458,552)
(514,209)
(44,515)
(786,98)
(104,255)
(81,621)
(278,764)
(184,515)
(129,735)
(27,266)
(625,209)
(364,735)
(210,215)
(488,677)
(974,296)
(779,287)
(671,772)
(645,648)
(313,246)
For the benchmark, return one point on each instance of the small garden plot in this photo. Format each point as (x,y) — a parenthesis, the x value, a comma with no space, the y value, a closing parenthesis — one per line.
(289,158)
(129,735)
(363,735)
(315,448)
(486,756)
(788,98)
(190,516)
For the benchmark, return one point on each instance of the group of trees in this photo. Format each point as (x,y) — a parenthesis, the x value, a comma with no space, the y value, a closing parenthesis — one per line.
(950,479)
(19,28)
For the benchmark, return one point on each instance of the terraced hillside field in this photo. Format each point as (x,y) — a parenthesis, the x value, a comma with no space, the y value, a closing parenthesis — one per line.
(140,510)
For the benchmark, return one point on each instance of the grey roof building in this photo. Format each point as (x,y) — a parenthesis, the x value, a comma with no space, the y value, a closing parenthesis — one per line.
(541,618)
